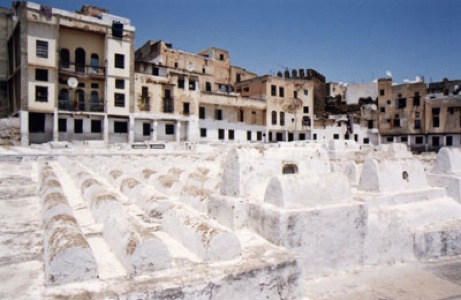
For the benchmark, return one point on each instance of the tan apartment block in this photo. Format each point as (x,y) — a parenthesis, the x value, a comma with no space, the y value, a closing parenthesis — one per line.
(71,74)
(400,111)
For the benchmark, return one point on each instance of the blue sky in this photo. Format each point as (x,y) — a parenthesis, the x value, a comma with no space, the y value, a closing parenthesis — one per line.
(349,41)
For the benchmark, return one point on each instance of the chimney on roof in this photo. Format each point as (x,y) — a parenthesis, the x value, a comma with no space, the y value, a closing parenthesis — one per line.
(279,74)
(287,74)
(294,73)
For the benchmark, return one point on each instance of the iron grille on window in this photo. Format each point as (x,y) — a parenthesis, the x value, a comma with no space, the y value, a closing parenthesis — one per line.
(168,105)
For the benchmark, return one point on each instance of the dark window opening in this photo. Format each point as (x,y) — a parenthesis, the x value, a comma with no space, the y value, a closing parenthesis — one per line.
(370,124)
(117,29)
(449,140)
(396,122)
(120,127)
(274,118)
(401,103)
(417,124)
(295,94)
(230,133)
(435,141)
(248,135)
(119,61)
(80,60)
(221,56)
(41,93)
(436,121)
(273,90)
(241,115)
(390,139)
(356,137)
(169,129)
(119,84)
(218,114)
(239,77)
(62,125)
(96,126)
(417,99)
(366,140)
(186,108)
(191,85)
(146,129)
(419,140)
(290,169)
(451,110)
(78,126)
(282,118)
(201,112)
(302,136)
(65,58)
(306,109)
(279,137)
(155,71)
(208,86)
(382,109)
(314,136)
(119,100)
(404,139)
(95,86)
(405,175)
(221,134)
(381,92)
(291,137)
(42,49)
(181,83)
(36,122)
(41,74)
(281,92)
(336,136)
(259,136)
(202,132)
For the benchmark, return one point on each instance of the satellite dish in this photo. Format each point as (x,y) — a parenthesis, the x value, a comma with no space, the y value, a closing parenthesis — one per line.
(72,82)
(190,68)
(389,74)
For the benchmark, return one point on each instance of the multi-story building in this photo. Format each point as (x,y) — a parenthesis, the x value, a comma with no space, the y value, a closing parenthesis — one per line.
(401,111)
(70,74)
(289,105)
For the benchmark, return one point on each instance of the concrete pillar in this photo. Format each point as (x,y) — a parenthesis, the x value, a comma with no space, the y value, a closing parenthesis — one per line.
(55,125)
(409,140)
(178,131)
(131,130)
(154,134)
(106,129)
(24,116)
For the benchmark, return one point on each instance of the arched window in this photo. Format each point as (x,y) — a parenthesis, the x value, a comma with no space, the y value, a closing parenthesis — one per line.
(80,60)
(64,99)
(274,118)
(94,63)
(65,58)
(79,100)
(282,118)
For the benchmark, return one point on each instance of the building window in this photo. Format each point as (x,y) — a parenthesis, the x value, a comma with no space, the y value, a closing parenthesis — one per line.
(120,127)
(404,139)
(186,108)
(65,58)
(306,92)
(117,29)
(306,109)
(181,83)
(451,110)
(221,56)
(248,135)
(62,125)
(241,115)
(336,136)
(382,109)
(396,122)
(36,122)
(168,104)
(146,129)
(42,49)
(96,126)
(119,100)
(314,137)
(435,121)
(390,139)
(435,141)
(80,60)
(41,93)
(78,126)
(238,78)
(169,129)
(191,84)
(419,140)
(208,86)
(155,71)
(302,136)
(221,134)
(202,132)
(201,112)
(290,169)
(231,134)
(449,140)
(273,90)
(95,86)
(401,103)
(119,61)
(370,124)
(416,99)
(246,89)
(41,74)
(417,124)
(274,118)
(381,92)
(218,114)
(94,63)
(366,140)
(295,94)
(281,92)
(259,136)
(120,84)
(282,118)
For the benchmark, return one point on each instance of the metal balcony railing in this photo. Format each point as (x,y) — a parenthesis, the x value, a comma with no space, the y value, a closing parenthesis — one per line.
(168,105)
(87,106)
(79,69)
(144,103)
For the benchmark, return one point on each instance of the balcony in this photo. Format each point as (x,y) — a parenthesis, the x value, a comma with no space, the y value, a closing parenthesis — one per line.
(81,70)
(168,105)
(87,106)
